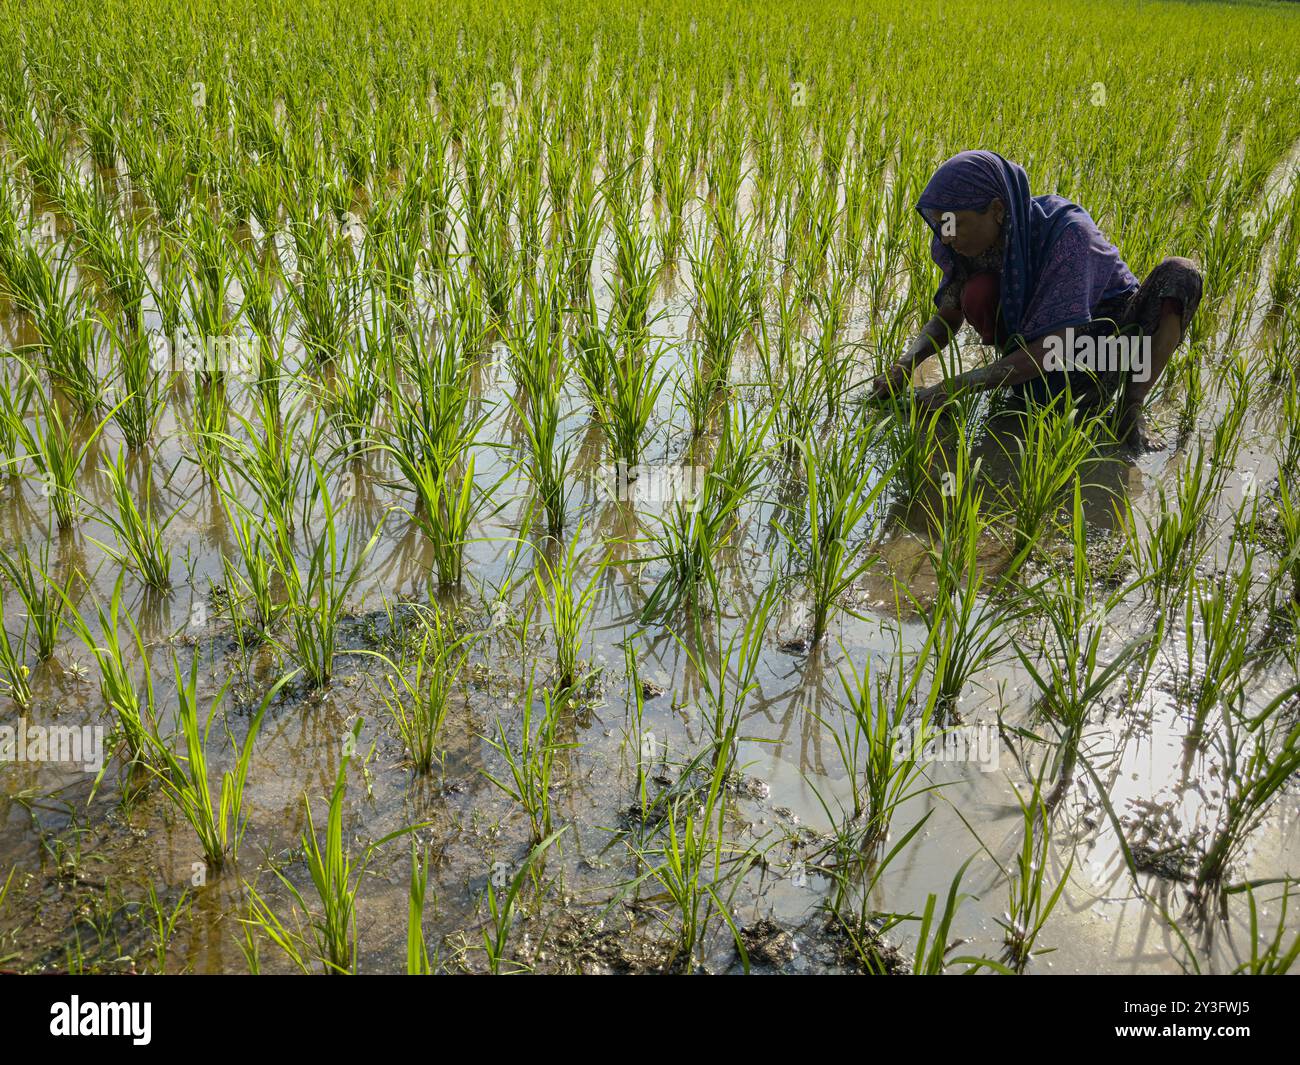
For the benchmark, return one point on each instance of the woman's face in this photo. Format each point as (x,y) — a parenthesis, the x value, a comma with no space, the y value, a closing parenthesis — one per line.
(969,233)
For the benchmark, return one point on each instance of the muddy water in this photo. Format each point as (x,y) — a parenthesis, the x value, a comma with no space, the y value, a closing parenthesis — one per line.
(85,857)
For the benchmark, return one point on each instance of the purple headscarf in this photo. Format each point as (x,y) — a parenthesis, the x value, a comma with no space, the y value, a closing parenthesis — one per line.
(1057,265)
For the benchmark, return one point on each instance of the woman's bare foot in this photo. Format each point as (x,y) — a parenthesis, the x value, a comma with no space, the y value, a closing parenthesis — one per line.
(1134,436)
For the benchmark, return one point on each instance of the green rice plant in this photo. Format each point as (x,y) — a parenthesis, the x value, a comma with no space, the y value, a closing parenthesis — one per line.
(132,707)
(842,492)
(141,537)
(1068,667)
(50,443)
(331,935)
(1054,443)
(431,442)
(721,282)
(1168,548)
(636,274)
(315,594)
(418,703)
(883,767)
(1261,754)
(910,444)
(15,676)
(274,457)
(418,962)
(219,824)
(254,579)
(966,623)
(1271,957)
(693,865)
(532,761)
(695,531)
(141,387)
(1030,899)
(568,605)
(624,396)
(727,674)
(540,370)
(501,909)
(1217,623)
(44,598)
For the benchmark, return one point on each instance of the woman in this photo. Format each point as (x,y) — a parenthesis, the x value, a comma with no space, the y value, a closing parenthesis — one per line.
(1035,276)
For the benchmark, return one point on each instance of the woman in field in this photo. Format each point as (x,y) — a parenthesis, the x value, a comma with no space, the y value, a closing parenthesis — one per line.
(1034,276)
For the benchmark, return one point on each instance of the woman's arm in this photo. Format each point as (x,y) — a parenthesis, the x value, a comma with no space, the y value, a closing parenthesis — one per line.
(1023,364)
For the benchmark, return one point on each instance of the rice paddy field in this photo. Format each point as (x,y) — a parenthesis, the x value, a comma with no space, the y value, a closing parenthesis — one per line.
(442,528)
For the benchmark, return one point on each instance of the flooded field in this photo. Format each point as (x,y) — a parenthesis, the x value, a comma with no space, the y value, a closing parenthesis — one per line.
(444,529)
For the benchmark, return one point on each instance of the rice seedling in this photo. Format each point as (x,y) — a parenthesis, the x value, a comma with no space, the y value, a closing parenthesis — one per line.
(219,824)
(15,676)
(1261,753)
(501,909)
(882,745)
(568,605)
(44,598)
(141,537)
(1054,442)
(1269,957)
(133,706)
(418,702)
(1030,899)
(57,448)
(704,514)
(417,950)
(532,761)
(315,594)
(1068,666)
(842,491)
(335,876)
(693,865)
(1170,545)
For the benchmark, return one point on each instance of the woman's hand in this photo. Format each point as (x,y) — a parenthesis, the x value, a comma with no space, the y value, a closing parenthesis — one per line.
(890,382)
(932,398)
